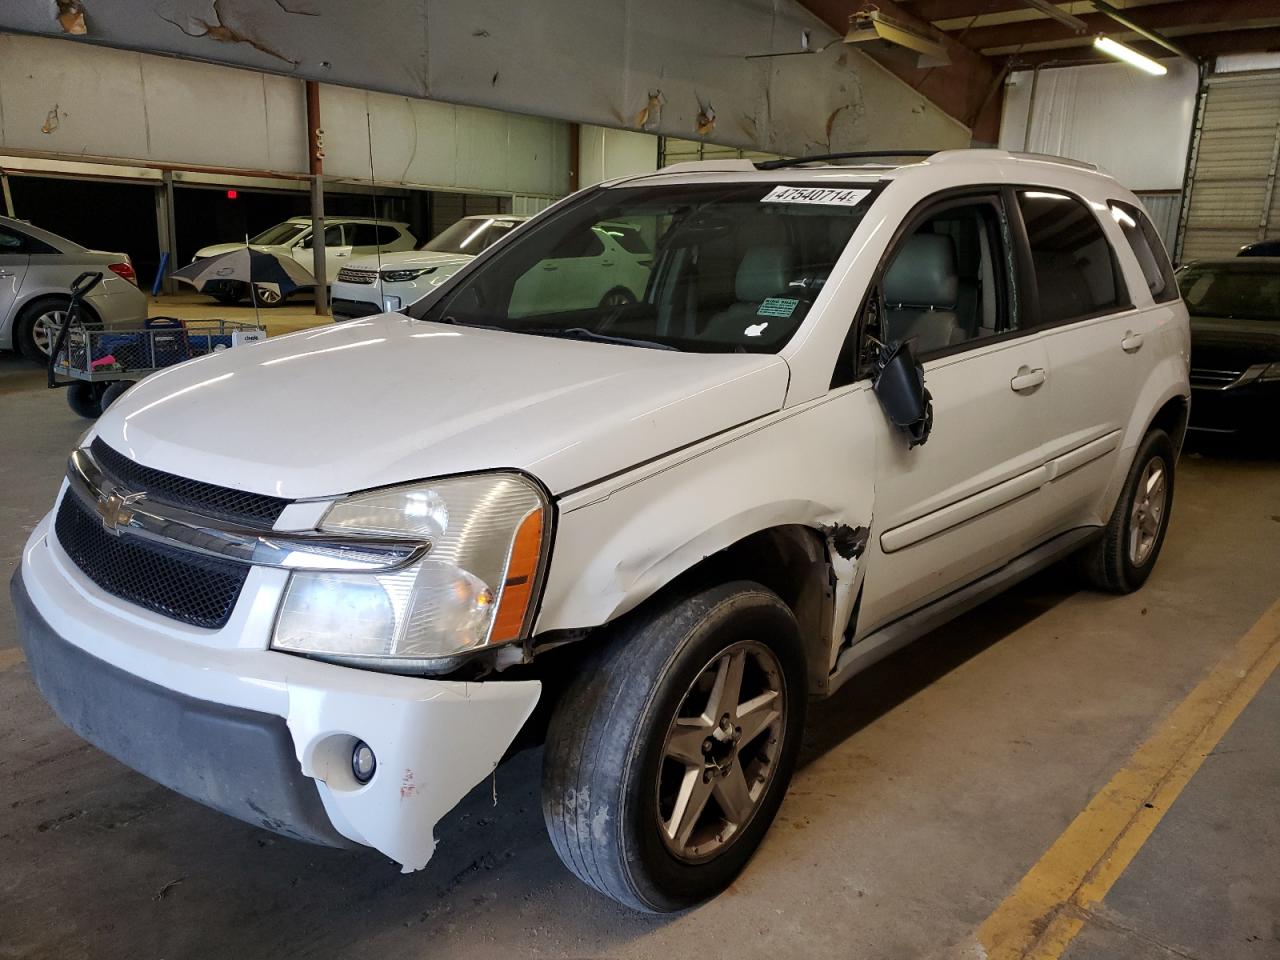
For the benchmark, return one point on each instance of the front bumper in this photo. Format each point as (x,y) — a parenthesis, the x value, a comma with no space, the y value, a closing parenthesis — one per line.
(238,761)
(261,735)
(1249,410)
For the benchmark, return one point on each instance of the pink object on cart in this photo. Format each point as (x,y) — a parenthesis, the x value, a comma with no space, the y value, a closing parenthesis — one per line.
(107,361)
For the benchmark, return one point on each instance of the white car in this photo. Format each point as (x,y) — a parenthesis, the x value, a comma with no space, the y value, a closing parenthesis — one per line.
(344,238)
(850,403)
(37,269)
(388,283)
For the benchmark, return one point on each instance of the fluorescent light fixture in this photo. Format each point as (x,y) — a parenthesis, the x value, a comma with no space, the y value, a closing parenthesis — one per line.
(1119,51)
(873,25)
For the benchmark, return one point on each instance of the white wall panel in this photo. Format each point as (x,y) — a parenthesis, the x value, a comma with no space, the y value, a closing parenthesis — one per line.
(605,154)
(1133,125)
(143,108)
(592,62)
(99,99)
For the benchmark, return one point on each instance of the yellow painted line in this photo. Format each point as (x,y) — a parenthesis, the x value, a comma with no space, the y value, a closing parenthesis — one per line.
(11,657)
(1048,907)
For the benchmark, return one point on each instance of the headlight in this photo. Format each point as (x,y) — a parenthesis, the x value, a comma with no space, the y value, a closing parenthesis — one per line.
(474,588)
(402,276)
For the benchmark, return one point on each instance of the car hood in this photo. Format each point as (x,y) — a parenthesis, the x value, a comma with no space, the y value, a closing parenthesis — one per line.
(1224,344)
(410,258)
(387,400)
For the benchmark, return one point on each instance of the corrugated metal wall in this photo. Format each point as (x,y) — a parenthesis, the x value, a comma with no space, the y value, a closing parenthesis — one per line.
(1232,185)
(1162,206)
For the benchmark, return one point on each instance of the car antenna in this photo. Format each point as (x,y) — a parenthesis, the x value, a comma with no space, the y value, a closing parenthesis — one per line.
(373,187)
(853,155)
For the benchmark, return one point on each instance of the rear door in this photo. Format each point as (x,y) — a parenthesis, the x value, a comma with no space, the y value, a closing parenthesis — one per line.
(1097,332)
(966,502)
(13,267)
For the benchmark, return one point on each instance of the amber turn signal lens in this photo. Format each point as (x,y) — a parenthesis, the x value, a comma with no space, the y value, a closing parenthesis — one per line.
(517,589)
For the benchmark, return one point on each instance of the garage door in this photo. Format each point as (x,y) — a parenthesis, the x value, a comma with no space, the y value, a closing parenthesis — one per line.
(1232,198)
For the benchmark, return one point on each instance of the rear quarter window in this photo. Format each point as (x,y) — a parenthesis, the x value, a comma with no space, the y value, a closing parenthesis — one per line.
(1147,248)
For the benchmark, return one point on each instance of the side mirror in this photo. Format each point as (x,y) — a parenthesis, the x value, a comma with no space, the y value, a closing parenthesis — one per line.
(899,386)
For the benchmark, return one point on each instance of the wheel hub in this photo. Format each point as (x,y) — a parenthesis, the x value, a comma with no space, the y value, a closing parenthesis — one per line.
(720,752)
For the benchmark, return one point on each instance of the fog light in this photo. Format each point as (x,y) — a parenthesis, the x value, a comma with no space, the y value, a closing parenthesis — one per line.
(390,304)
(363,762)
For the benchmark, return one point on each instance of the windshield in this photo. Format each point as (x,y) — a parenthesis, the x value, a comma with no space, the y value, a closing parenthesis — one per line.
(279,234)
(468,237)
(1238,290)
(708,268)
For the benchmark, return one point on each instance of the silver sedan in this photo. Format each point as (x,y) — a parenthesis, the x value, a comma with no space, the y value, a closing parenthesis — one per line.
(36,270)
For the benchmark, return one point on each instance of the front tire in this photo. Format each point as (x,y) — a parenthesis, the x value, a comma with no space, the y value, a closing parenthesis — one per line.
(669,754)
(1121,560)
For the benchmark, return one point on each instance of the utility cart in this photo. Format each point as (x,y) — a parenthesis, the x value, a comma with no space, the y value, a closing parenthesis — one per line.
(99,364)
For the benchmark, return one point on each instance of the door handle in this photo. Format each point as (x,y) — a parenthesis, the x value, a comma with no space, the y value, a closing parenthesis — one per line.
(549,267)
(606,263)
(1027,379)
(1132,342)
(6,273)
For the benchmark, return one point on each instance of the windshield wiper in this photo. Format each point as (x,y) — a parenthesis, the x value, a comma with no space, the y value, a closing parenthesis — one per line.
(582,333)
(455,322)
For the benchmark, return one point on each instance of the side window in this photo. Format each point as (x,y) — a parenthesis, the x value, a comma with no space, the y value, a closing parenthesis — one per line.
(1147,248)
(362,235)
(13,242)
(1074,266)
(333,236)
(497,230)
(387,235)
(945,284)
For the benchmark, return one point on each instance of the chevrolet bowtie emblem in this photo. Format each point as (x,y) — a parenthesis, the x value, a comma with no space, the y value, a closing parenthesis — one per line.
(113,508)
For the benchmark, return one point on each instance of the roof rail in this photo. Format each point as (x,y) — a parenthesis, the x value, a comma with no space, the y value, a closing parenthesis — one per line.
(854,155)
(1052,158)
(708,166)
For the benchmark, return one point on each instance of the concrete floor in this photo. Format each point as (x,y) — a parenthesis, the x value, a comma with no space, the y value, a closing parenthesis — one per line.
(929,786)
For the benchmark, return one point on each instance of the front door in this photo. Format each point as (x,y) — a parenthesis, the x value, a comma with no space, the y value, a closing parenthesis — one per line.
(967,501)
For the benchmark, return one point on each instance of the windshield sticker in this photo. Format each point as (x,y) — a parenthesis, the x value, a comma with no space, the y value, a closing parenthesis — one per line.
(777,307)
(825,195)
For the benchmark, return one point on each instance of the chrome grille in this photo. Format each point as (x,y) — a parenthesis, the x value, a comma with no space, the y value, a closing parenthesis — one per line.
(208,499)
(1214,379)
(357,275)
(201,591)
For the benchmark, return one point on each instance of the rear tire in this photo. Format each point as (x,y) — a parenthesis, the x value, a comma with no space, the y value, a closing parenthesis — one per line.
(85,399)
(1123,557)
(660,777)
(266,297)
(36,328)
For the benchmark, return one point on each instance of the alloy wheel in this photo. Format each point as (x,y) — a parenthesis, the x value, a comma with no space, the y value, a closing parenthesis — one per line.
(45,329)
(1147,515)
(721,752)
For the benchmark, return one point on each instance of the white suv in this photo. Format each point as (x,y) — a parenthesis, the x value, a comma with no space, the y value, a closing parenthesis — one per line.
(344,238)
(849,403)
(390,281)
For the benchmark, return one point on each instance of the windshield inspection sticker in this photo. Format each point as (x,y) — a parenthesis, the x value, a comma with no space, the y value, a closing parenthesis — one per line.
(827,195)
(777,307)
